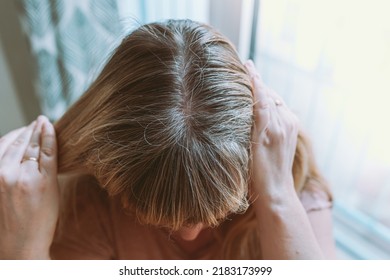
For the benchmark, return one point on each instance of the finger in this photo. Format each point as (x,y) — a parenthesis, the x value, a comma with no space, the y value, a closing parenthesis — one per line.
(7,139)
(259,89)
(283,121)
(31,155)
(277,103)
(290,120)
(15,151)
(277,99)
(261,100)
(281,106)
(48,152)
(274,123)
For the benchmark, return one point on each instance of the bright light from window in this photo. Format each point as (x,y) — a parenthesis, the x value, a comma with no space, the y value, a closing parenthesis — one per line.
(353,39)
(330,60)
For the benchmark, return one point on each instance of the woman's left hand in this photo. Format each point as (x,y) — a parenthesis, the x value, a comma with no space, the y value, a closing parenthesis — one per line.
(274,142)
(29,195)
(285,230)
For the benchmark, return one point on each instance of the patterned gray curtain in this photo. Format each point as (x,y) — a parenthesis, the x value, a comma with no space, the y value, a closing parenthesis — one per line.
(71,40)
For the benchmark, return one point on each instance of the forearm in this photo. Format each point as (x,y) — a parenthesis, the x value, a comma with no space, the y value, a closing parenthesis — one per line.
(285,230)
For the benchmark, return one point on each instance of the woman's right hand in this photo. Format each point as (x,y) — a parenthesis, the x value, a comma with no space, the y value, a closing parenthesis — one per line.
(29,195)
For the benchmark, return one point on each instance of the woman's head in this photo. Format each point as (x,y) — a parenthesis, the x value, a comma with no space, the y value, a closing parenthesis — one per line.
(166,126)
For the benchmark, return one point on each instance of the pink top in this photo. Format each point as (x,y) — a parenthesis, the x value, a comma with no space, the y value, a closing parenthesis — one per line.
(101,230)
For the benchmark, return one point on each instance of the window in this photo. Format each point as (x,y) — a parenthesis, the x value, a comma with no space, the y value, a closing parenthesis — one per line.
(330,60)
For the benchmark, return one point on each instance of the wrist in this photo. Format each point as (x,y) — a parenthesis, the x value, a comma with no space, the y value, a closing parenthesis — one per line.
(35,255)
(276,197)
(273,188)
(24,253)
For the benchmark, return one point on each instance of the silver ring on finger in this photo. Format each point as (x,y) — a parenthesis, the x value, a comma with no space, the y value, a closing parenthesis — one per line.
(30,158)
(278,102)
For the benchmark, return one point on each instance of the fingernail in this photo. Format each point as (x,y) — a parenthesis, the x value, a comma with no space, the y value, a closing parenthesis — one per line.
(250,63)
(48,127)
(41,118)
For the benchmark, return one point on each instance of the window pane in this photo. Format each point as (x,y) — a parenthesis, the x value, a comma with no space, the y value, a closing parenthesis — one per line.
(330,60)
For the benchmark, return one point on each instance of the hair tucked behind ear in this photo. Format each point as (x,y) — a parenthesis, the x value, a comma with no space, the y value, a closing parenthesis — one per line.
(166,126)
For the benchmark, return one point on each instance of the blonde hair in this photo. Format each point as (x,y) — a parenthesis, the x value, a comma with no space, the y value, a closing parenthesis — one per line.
(166,126)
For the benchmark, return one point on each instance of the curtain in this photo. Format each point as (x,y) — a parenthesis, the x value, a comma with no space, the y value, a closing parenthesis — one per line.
(70,40)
